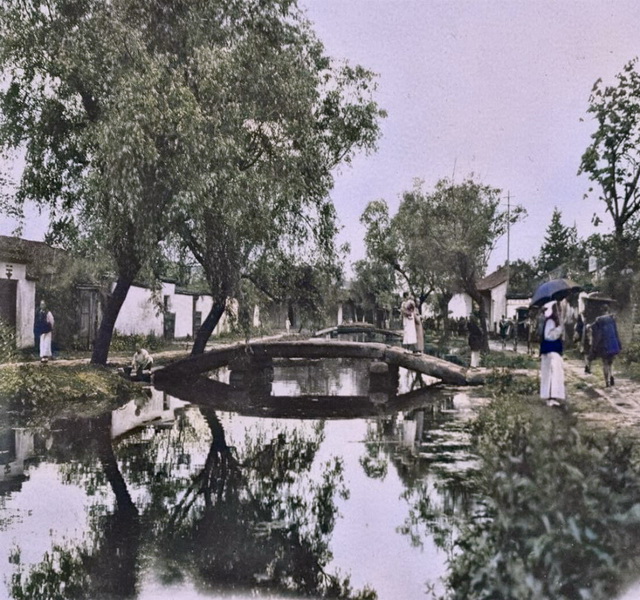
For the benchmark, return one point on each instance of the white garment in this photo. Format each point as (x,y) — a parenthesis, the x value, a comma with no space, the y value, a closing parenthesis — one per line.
(475,359)
(409,335)
(552,366)
(141,359)
(45,344)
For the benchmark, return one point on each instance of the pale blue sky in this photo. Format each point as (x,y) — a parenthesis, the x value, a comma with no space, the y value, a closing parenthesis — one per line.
(480,86)
(486,87)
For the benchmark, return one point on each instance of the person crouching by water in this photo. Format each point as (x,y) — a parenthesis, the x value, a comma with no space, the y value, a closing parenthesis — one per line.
(408,311)
(43,331)
(605,343)
(141,361)
(551,366)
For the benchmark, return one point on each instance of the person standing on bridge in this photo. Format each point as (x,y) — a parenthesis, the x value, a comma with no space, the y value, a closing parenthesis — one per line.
(408,312)
(551,366)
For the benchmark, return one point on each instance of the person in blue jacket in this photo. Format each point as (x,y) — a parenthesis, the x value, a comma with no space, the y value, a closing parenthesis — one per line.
(605,343)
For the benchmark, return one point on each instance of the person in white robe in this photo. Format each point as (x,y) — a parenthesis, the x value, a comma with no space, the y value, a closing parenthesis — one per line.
(408,310)
(552,387)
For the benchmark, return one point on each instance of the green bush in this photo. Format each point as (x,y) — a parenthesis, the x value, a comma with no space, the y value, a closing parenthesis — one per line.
(50,389)
(631,354)
(129,343)
(509,360)
(560,516)
(8,350)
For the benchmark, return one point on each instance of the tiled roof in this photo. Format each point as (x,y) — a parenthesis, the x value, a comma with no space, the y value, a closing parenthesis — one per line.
(493,280)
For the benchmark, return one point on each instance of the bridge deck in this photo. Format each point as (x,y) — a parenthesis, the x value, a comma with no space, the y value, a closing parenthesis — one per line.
(320,348)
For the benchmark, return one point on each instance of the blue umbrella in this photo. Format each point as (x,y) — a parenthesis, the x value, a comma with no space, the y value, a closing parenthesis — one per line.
(556,289)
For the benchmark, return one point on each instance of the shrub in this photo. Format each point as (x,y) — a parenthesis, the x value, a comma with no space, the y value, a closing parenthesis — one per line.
(561,513)
(8,350)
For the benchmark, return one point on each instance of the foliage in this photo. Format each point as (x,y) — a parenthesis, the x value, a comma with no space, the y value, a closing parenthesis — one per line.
(374,287)
(52,390)
(561,513)
(509,360)
(612,161)
(59,576)
(130,343)
(560,246)
(523,277)
(8,350)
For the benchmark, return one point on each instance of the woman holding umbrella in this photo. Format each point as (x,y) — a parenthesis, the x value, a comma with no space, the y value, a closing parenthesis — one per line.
(551,367)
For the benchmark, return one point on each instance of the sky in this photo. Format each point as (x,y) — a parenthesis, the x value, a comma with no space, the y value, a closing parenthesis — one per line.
(493,89)
(490,88)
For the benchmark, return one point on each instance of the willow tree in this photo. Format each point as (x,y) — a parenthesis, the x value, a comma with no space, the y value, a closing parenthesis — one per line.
(285,117)
(462,223)
(143,119)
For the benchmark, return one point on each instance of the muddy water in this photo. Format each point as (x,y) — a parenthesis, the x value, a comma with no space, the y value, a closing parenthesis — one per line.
(168,498)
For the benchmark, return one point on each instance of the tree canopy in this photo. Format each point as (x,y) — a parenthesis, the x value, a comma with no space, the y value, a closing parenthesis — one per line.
(560,246)
(612,161)
(216,123)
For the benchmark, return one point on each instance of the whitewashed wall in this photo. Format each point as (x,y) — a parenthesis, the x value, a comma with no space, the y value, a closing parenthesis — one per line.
(182,305)
(204,304)
(140,313)
(498,304)
(460,306)
(25,302)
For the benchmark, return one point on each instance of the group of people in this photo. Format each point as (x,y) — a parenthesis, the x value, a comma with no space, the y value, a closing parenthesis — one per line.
(600,340)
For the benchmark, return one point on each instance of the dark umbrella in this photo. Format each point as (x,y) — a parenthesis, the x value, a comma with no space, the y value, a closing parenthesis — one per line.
(556,289)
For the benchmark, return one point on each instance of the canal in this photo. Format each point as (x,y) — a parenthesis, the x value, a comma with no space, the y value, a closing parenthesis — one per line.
(169,499)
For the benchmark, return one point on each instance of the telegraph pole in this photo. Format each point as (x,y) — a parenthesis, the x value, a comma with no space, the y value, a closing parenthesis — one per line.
(508,226)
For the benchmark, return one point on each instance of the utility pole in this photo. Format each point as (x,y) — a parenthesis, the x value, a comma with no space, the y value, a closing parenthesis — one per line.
(508,226)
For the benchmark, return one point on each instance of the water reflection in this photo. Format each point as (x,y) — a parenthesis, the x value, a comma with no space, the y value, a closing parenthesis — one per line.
(167,498)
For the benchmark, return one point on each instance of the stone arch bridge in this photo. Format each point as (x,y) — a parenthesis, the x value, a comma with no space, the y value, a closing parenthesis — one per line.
(260,354)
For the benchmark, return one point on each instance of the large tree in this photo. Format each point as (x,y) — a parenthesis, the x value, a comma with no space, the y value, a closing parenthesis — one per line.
(295,116)
(612,161)
(217,120)
(395,242)
(461,223)
(560,246)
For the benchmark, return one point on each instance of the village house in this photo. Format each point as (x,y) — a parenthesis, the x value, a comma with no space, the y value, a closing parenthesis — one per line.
(31,271)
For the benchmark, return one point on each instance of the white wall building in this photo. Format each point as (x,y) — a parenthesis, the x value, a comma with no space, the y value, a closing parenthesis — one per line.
(17,299)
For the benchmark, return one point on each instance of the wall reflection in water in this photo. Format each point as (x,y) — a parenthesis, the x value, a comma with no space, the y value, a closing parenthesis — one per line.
(167,498)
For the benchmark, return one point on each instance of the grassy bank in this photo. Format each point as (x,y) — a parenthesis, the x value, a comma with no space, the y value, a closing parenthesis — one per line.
(559,515)
(73,390)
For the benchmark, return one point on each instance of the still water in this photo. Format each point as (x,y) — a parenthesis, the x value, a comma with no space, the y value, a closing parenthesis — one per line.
(308,490)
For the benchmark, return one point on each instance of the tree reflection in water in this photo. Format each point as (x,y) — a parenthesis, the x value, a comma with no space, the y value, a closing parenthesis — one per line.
(181,504)
(256,520)
(439,499)
(243,521)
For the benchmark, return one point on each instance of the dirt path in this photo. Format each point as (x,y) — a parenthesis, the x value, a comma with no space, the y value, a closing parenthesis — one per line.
(590,400)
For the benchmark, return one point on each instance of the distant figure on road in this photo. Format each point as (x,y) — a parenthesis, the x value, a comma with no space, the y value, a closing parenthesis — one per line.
(476,340)
(43,331)
(551,366)
(503,330)
(605,343)
(408,310)
(141,361)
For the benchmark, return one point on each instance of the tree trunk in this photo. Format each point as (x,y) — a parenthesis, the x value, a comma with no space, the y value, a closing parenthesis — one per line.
(114,303)
(207,327)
